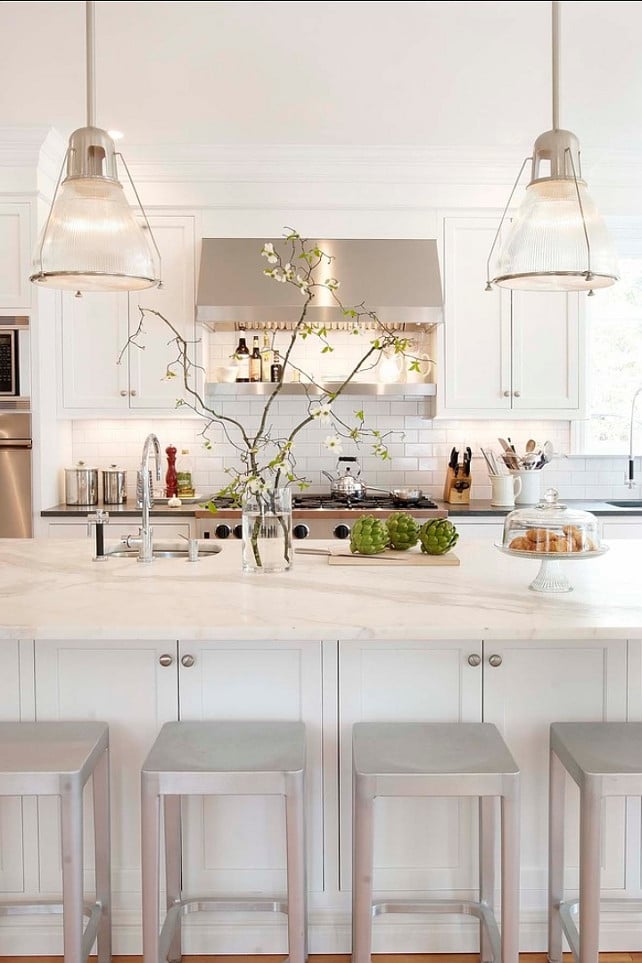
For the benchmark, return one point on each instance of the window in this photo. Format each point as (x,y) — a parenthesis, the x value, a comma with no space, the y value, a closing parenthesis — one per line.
(614,318)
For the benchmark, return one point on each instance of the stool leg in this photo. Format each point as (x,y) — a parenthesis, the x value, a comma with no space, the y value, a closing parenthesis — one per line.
(556,794)
(71,818)
(102,849)
(150,830)
(487,819)
(590,845)
(362,868)
(173,851)
(510,873)
(297,883)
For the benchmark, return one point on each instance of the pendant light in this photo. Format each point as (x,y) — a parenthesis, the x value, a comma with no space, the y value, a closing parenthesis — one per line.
(557,240)
(92,240)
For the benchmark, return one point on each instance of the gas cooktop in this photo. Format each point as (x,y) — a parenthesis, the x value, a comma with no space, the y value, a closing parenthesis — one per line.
(308,502)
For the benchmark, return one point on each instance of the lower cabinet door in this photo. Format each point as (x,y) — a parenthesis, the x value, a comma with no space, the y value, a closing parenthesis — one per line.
(12,868)
(123,683)
(527,686)
(421,845)
(236,844)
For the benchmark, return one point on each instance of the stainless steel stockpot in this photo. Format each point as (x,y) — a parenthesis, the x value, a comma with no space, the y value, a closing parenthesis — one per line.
(81,485)
(114,485)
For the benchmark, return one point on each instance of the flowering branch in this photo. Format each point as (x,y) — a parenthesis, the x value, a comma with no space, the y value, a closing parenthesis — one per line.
(267,461)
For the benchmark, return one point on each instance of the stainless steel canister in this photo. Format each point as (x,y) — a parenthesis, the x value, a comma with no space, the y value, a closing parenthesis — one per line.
(81,485)
(114,485)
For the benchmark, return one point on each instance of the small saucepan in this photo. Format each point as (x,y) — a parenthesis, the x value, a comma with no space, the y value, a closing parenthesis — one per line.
(406,496)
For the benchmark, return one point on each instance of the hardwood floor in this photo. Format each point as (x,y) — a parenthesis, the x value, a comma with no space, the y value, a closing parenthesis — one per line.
(378,958)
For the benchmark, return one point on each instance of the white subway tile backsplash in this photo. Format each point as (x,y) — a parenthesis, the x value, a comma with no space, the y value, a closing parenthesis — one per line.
(419,447)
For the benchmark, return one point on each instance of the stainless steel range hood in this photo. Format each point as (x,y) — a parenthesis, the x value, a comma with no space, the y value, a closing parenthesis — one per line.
(397,279)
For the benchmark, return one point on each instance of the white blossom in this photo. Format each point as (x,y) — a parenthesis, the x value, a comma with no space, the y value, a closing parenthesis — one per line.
(255,485)
(333,443)
(268,252)
(322,413)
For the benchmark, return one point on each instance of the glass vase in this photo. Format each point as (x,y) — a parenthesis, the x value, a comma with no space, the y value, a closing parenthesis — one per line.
(267,531)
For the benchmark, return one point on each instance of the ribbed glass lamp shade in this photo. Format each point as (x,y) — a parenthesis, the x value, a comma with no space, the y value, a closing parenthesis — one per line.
(546,250)
(93,241)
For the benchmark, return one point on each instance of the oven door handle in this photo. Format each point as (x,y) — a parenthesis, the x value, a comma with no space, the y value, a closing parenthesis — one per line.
(15,443)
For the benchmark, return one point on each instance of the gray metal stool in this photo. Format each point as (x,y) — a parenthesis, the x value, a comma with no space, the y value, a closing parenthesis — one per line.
(57,759)
(604,759)
(437,759)
(220,758)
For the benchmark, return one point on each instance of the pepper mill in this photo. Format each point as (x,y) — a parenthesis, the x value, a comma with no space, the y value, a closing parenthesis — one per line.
(171,482)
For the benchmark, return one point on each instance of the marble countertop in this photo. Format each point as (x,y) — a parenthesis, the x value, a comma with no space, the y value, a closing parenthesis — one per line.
(52,589)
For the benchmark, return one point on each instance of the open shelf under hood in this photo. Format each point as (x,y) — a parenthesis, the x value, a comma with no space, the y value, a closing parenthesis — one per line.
(397,279)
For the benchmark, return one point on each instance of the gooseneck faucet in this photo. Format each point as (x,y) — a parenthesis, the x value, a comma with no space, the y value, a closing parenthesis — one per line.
(631,472)
(144,496)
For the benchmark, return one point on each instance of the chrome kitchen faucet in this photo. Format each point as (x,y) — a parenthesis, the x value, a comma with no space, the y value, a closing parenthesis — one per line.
(144,498)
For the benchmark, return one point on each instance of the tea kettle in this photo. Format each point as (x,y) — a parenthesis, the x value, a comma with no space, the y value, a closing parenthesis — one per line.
(346,484)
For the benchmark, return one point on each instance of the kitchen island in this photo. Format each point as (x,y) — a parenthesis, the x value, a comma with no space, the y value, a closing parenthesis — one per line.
(138,645)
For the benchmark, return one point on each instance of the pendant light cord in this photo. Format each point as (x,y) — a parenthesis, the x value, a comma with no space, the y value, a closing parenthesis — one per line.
(91,65)
(556,64)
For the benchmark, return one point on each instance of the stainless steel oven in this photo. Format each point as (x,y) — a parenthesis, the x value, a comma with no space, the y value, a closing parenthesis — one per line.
(316,516)
(15,475)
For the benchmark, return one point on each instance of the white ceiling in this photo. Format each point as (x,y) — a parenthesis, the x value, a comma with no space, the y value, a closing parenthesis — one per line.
(405,73)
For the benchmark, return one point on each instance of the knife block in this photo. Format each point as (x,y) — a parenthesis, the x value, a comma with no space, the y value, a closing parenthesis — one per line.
(457,487)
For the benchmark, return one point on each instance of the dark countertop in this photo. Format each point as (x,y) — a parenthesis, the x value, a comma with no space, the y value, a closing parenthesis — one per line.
(479,508)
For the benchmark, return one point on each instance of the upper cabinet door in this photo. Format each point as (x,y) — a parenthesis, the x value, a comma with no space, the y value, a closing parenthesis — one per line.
(546,346)
(477,368)
(15,256)
(175,300)
(94,333)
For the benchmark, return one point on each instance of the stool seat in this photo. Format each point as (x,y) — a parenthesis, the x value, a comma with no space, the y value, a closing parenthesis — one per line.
(437,759)
(220,757)
(430,748)
(604,759)
(601,749)
(57,759)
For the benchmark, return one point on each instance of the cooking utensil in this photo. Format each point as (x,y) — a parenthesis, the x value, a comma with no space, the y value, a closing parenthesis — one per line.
(81,485)
(406,496)
(114,485)
(510,458)
(548,451)
(347,486)
(531,445)
(468,454)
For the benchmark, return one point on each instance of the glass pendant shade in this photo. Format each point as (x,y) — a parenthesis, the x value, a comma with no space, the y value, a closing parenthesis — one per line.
(93,242)
(546,247)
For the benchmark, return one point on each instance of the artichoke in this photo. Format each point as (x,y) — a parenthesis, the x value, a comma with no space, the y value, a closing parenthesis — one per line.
(369,536)
(437,536)
(403,530)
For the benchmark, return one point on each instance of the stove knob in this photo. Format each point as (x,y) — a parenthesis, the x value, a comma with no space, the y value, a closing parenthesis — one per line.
(342,531)
(222,531)
(301,531)
(238,531)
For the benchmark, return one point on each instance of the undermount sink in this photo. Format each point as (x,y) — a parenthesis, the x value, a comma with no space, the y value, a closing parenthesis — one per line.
(626,503)
(206,548)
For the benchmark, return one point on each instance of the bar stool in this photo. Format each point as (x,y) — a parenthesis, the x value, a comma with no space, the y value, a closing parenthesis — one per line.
(604,759)
(437,759)
(57,759)
(226,758)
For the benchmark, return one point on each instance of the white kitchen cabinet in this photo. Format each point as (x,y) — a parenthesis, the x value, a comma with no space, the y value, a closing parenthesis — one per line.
(537,683)
(15,256)
(420,844)
(12,868)
(123,683)
(235,844)
(95,330)
(489,527)
(630,527)
(505,353)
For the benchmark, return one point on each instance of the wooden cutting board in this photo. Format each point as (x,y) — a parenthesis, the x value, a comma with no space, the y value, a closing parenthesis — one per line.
(394,558)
